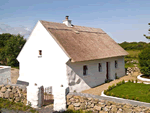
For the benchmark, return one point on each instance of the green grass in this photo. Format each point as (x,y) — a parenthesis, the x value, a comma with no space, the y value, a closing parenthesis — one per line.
(129,90)
(133,54)
(5,103)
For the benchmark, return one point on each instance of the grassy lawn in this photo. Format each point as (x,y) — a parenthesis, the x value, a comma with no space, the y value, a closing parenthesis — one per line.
(133,91)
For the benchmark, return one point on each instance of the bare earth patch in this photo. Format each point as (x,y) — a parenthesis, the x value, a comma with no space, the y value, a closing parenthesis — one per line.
(97,90)
(14,75)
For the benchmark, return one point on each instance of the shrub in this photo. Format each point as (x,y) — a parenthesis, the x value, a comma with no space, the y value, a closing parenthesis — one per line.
(117,95)
(136,80)
(129,80)
(123,96)
(132,81)
(107,93)
(144,61)
(127,97)
(113,86)
(132,98)
(123,82)
(137,98)
(109,88)
(112,94)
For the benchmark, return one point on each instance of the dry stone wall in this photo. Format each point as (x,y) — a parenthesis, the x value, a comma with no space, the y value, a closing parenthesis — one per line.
(13,93)
(75,102)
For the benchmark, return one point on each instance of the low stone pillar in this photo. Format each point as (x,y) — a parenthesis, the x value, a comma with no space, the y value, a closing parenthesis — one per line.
(59,98)
(33,95)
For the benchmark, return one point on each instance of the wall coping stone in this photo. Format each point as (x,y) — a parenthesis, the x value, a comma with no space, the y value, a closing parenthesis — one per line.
(143,79)
(108,98)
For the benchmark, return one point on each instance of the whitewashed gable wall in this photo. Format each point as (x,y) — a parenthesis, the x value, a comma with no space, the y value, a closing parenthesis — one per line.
(50,70)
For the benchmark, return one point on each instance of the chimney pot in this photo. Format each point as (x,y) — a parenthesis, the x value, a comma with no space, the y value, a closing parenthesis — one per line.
(67,17)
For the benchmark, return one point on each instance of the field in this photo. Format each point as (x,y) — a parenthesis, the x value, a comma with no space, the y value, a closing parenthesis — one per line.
(132,58)
(133,91)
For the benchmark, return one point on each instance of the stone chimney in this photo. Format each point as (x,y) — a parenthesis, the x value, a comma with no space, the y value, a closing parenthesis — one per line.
(67,22)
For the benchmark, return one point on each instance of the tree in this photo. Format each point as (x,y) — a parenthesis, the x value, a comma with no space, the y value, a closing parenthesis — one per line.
(148,37)
(144,61)
(11,49)
(3,38)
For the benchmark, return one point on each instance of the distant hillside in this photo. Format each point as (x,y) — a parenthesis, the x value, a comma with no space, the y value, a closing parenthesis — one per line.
(134,45)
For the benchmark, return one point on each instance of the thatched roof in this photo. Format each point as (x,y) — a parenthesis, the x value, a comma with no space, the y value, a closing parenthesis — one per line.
(84,43)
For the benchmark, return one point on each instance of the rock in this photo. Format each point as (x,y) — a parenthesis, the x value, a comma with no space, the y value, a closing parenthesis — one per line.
(16,95)
(11,95)
(76,104)
(105,109)
(1,95)
(114,110)
(83,106)
(127,110)
(92,105)
(89,98)
(71,107)
(10,99)
(1,85)
(8,86)
(17,99)
(9,89)
(14,90)
(6,94)
(97,108)
(3,90)
(68,103)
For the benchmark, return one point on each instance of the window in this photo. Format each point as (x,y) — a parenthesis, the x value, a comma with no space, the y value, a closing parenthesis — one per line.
(85,70)
(40,52)
(99,67)
(116,64)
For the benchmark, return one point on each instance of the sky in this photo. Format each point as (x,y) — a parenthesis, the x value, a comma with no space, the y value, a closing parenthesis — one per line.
(122,20)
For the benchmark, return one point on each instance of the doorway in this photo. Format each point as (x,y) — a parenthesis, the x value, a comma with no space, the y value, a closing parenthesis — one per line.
(107,70)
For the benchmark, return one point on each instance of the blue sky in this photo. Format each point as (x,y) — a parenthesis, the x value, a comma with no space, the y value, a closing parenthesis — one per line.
(123,20)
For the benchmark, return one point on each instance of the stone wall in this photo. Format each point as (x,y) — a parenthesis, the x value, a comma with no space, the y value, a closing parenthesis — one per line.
(13,93)
(75,102)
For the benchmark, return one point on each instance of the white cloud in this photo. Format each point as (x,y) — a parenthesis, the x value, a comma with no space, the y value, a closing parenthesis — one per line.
(4,28)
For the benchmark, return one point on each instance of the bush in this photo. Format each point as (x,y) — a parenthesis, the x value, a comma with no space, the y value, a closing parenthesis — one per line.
(109,88)
(123,82)
(132,81)
(113,86)
(123,96)
(112,94)
(132,98)
(136,80)
(136,98)
(129,80)
(107,93)
(144,61)
(127,97)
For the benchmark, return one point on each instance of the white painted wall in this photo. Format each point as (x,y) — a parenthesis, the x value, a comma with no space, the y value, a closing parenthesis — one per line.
(60,99)
(50,70)
(78,82)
